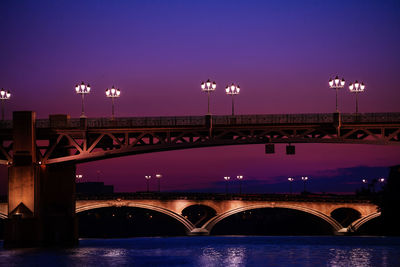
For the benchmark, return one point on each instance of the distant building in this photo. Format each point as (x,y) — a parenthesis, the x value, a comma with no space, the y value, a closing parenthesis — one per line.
(94,188)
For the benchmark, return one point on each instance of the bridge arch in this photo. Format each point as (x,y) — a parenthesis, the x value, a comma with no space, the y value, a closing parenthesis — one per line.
(345,215)
(198,214)
(186,223)
(212,222)
(358,223)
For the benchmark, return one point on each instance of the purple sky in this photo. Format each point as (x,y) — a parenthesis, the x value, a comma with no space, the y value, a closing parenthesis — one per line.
(282,54)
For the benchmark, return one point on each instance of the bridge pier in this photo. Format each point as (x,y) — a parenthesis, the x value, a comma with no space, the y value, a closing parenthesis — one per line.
(41,204)
(198,231)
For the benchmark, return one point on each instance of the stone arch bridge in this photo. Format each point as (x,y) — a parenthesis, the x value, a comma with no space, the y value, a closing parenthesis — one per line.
(173,206)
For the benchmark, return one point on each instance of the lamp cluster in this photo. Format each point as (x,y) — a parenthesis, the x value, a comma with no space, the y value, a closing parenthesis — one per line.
(356,87)
(84,89)
(303,178)
(338,83)
(112,92)
(231,90)
(208,86)
(4,95)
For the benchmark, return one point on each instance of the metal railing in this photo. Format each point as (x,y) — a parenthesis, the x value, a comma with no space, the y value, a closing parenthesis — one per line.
(187,121)
(221,196)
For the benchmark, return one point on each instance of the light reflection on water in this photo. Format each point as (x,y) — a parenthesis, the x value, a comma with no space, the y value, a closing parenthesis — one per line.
(355,257)
(216,251)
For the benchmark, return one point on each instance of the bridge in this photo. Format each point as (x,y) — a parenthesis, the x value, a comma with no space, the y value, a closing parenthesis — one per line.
(93,139)
(174,205)
(41,155)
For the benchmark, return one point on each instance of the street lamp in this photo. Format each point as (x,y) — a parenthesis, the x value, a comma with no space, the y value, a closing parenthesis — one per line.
(356,88)
(336,84)
(78,177)
(112,93)
(226,178)
(4,95)
(381,181)
(82,89)
(208,87)
(290,179)
(148,177)
(159,176)
(240,178)
(232,90)
(364,181)
(304,178)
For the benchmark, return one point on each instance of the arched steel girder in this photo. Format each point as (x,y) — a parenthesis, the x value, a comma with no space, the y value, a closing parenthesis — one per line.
(213,221)
(186,223)
(150,143)
(74,142)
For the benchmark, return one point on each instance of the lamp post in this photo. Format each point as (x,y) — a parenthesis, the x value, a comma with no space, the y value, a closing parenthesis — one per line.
(305,179)
(226,178)
(381,181)
(356,88)
(112,93)
(208,87)
(232,90)
(148,177)
(4,95)
(159,176)
(336,84)
(82,89)
(290,179)
(240,178)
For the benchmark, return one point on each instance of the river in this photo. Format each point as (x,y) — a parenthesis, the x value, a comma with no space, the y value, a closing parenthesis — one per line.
(216,251)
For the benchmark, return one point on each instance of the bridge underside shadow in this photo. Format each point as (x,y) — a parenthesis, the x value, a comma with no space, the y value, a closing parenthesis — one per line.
(111,222)
(272,221)
(2,226)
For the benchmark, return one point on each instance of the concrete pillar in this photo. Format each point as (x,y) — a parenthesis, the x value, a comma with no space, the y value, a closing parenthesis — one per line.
(41,204)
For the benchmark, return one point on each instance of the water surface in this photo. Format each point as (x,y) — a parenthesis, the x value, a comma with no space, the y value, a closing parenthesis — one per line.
(216,251)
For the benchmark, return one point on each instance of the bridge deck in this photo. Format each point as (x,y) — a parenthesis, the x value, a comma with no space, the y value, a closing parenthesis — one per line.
(61,139)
